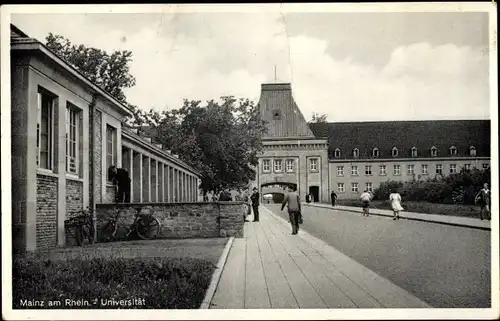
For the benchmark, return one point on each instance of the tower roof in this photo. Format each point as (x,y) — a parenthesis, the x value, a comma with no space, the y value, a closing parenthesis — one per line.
(279,110)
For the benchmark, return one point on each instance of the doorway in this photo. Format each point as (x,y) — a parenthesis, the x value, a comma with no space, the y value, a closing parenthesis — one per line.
(314,191)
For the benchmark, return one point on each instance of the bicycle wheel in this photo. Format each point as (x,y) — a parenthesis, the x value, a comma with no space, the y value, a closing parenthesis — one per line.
(108,231)
(148,227)
(79,235)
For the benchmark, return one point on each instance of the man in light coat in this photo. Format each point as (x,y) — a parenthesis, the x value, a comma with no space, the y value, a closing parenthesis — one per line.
(294,208)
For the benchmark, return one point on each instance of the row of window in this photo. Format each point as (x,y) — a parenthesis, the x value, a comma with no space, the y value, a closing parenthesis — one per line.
(354,187)
(289,165)
(414,152)
(397,169)
(45,142)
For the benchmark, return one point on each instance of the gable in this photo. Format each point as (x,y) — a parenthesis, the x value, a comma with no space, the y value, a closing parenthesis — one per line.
(281,113)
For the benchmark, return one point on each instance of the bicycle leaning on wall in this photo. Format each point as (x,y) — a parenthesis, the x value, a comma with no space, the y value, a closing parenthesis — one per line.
(81,226)
(146,226)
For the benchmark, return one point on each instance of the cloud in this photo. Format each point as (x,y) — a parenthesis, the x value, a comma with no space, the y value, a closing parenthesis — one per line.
(206,56)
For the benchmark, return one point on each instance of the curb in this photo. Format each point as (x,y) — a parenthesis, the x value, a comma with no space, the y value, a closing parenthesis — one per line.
(410,218)
(209,295)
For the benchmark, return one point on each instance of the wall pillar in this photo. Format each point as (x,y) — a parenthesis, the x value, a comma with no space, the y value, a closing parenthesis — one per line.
(146,179)
(160,183)
(60,167)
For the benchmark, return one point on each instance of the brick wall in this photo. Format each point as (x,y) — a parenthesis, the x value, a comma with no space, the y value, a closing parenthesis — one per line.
(182,220)
(46,212)
(110,194)
(98,156)
(74,197)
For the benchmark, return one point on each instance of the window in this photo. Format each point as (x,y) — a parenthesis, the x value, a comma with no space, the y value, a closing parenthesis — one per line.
(278,165)
(45,129)
(434,151)
(369,187)
(397,169)
(266,165)
(472,151)
(110,147)
(485,166)
(354,187)
(425,169)
(289,165)
(453,168)
(453,151)
(313,165)
(354,170)
(355,152)
(414,152)
(395,152)
(337,153)
(467,167)
(368,170)
(439,169)
(411,170)
(341,187)
(340,170)
(72,139)
(383,170)
(375,152)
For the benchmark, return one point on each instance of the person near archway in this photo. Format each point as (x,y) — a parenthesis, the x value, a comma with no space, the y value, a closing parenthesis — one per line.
(120,177)
(294,208)
(255,204)
(333,196)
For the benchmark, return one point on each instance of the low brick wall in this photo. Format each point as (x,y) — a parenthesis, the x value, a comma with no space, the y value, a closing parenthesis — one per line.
(182,220)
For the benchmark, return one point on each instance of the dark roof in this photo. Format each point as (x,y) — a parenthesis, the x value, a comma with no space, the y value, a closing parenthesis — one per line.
(15,32)
(404,135)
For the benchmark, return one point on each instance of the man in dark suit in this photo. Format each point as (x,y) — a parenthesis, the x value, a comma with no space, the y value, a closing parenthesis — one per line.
(333,195)
(121,178)
(225,196)
(255,204)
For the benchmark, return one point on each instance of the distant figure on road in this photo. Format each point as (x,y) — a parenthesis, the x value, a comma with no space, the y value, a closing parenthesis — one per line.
(308,198)
(255,204)
(395,200)
(483,198)
(365,200)
(294,209)
(333,196)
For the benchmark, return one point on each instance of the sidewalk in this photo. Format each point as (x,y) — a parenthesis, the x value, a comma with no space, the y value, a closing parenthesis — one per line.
(270,268)
(434,218)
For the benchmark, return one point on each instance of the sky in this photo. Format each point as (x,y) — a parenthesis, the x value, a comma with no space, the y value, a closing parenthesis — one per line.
(352,66)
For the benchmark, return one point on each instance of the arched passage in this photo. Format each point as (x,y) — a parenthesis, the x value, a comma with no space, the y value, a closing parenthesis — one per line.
(275,192)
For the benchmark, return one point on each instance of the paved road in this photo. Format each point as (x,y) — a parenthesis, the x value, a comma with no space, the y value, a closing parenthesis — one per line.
(446,266)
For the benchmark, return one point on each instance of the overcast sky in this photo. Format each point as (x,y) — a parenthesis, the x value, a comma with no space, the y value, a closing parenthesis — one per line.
(351,66)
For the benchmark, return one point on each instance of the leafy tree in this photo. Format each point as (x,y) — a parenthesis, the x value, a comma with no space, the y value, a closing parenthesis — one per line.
(318,118)
(221,140)
(111,72)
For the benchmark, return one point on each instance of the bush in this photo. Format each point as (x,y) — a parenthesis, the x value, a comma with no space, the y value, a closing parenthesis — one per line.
(162,283)
(459,188)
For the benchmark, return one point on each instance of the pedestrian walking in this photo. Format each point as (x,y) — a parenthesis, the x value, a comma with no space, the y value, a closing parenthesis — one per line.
(255,198)
(333,196)
(395,199)
(365,202)
(483,198)
(308,198)
(225,196)
(294,209)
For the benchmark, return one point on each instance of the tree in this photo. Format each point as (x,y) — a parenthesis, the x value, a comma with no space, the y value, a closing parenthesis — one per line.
(318,118)
(221,140)
(111,72)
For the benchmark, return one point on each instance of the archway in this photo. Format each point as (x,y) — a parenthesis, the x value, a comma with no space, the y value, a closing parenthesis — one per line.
(275,192)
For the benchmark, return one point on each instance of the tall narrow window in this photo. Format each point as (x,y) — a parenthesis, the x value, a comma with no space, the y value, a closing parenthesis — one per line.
(266,165)
(383,170)
(45,129)
(354,170)
(337,153)
(472,151)
(397,170)
(414,152)
(278,166)
(369,186)
(439,169)
(289,165)
(434,151)
(72,139)
(110,147)
(453,151)
(375,152)
(395,152)
(355,153)
(340,170)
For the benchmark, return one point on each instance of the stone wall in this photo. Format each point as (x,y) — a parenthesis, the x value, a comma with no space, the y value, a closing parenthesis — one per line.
(182,220)
(46,212)
(74,197)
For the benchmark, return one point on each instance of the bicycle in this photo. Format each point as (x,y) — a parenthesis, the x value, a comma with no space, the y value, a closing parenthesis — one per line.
(146,226)
(82,225)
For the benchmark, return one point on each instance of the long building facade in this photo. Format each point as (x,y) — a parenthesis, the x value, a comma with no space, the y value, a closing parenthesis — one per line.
(351,157)
(66,134)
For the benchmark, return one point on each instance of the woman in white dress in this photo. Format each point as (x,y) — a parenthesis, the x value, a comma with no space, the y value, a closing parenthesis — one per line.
(395,200)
